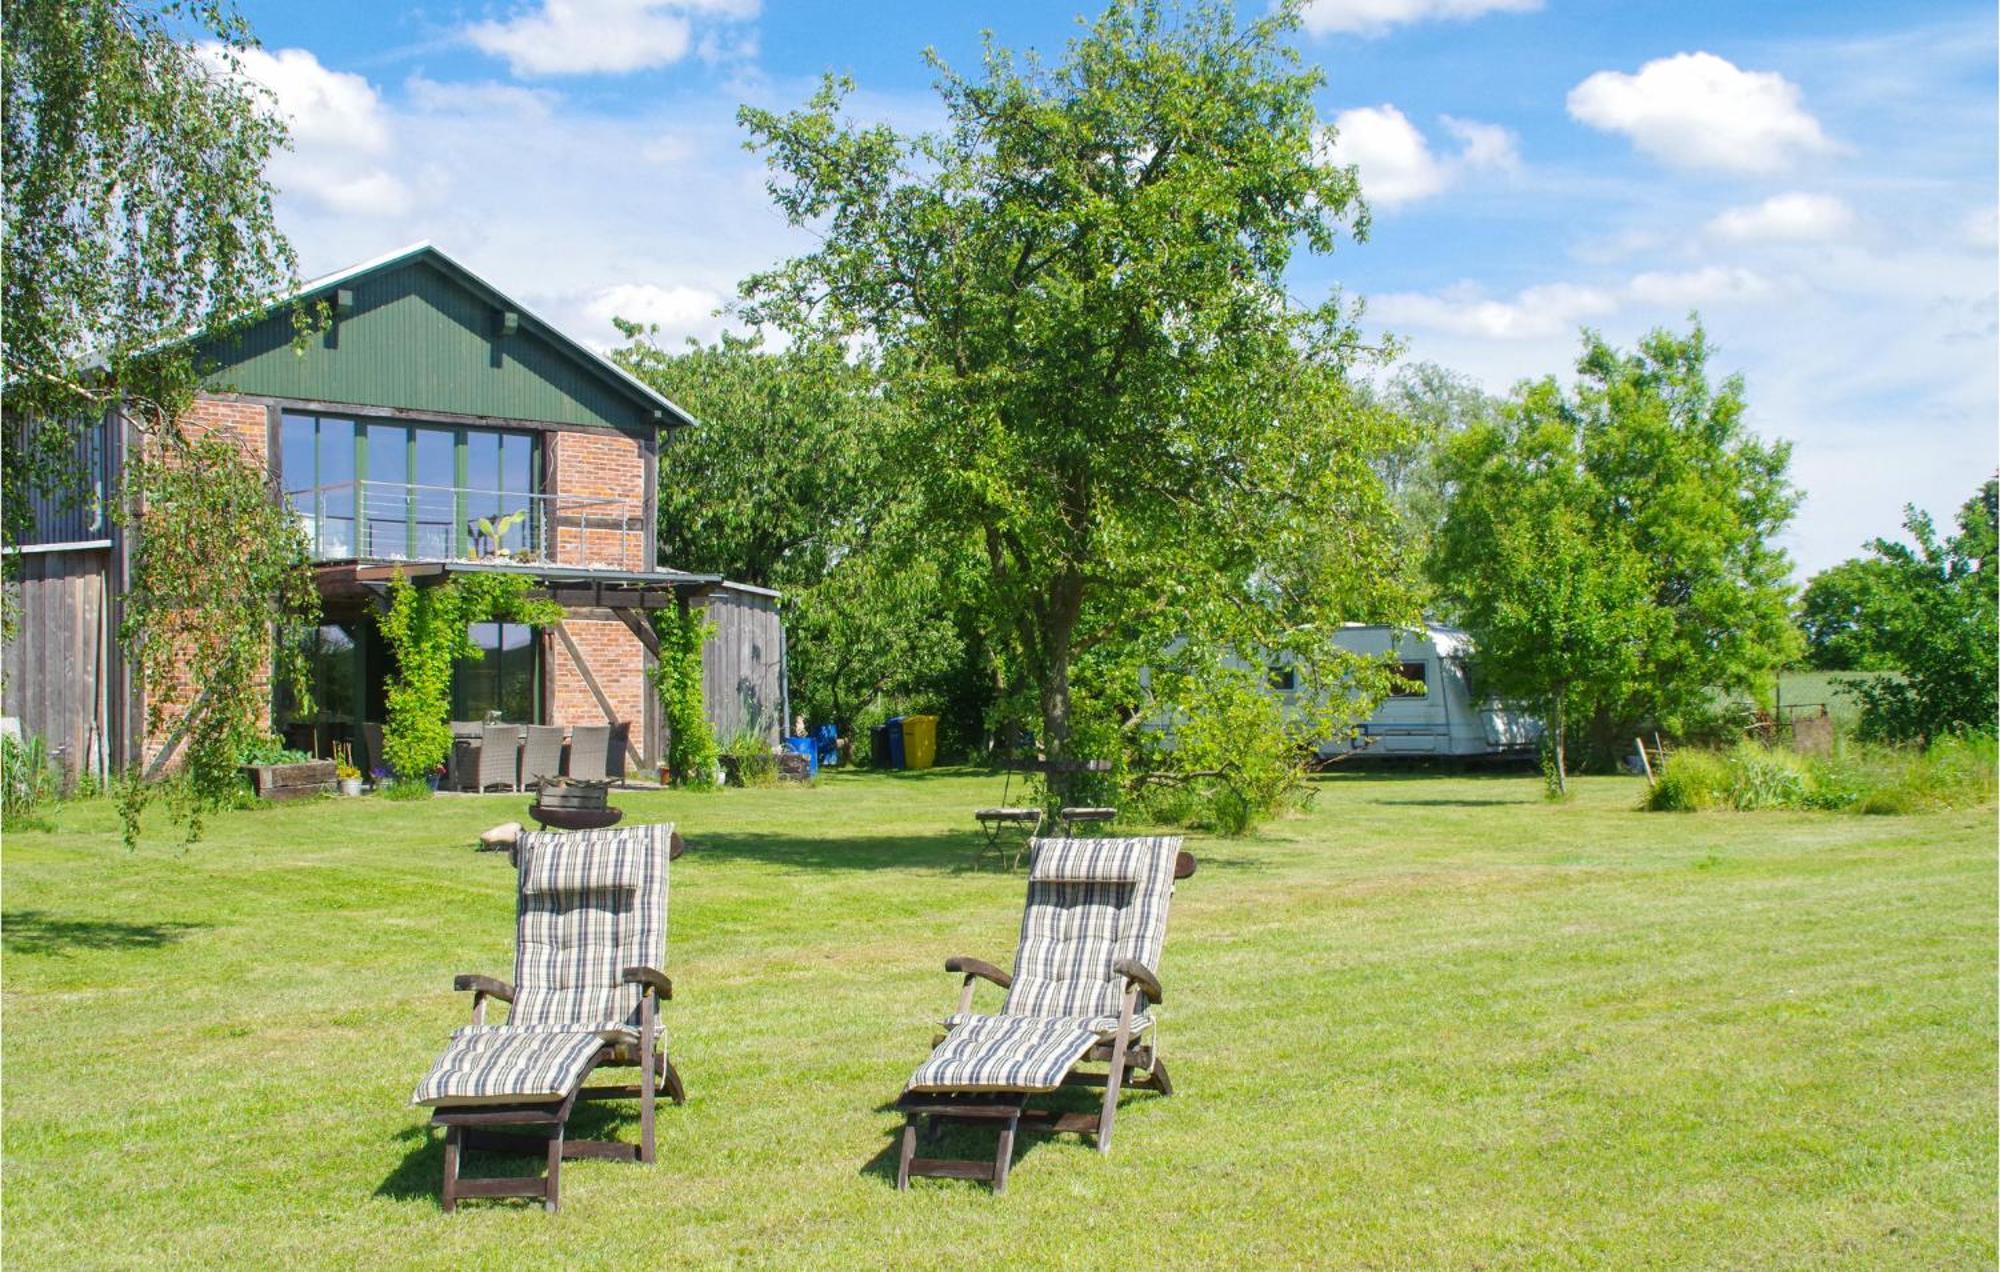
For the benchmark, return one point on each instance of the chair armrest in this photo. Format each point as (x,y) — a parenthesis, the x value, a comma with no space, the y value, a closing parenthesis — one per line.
(486,985)
(976,967)
(675,846)
(654,980)
(1141,975)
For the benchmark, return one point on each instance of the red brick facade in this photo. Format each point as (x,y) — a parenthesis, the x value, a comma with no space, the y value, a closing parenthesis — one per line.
(592,466)
(246,424)
(588,465)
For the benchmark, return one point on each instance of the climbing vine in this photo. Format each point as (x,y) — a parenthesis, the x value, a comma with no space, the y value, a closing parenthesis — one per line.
(428,630)
(218,565)
(692,752)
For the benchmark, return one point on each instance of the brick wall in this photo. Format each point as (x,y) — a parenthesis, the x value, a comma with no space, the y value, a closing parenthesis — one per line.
(600,466)
(245,424)
(616,660)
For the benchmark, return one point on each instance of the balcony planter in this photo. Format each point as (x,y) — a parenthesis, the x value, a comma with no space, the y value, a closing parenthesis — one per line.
(291,781)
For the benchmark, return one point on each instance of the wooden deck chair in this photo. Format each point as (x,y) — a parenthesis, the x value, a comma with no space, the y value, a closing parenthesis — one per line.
(499,757)
(591,915)
(588,746)
(1084,984)
(541,754)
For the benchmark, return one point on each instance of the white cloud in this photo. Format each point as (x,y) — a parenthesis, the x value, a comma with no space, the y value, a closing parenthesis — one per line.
(679,311)
(1375,17)
(1547,310)
(1558,309)
(580,37)
(1697,110)
(1484,145)
(1396,162)
(1785,218)
(340,132)
(483,97)
(1982,226)
(1688,289)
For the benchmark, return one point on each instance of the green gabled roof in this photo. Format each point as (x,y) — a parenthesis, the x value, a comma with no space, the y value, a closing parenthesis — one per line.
(423,333)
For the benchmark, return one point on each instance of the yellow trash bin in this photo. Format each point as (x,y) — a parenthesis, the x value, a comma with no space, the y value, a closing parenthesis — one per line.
(919,741)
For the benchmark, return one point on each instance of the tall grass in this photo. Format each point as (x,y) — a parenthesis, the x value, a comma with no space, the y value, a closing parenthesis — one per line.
(1856,778)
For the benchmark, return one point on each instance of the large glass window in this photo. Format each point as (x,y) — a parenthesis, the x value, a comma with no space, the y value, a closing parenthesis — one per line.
(392,491)
(507,680)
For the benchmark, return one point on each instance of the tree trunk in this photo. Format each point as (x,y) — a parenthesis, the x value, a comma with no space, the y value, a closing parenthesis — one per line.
(1065,601)
(1562,775)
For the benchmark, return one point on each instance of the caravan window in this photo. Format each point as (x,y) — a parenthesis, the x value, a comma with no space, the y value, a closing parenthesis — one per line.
(1409,681)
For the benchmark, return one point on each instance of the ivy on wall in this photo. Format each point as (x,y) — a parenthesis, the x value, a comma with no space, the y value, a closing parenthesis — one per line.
(692,752)
(428,630)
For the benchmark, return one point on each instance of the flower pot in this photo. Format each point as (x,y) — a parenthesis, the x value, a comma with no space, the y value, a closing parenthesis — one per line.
(350,786)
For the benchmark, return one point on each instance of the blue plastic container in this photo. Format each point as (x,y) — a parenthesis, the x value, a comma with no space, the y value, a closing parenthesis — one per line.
(804,746)
(895,727)
(826,738)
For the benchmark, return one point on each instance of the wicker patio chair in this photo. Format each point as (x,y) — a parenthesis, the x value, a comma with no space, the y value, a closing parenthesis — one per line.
(588,746)
(1084,984)
(541,754)
(499,757)
(591,916)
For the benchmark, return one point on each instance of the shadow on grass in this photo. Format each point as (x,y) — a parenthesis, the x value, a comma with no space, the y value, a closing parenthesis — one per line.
(420,1175)
(1457,803)
(39,932)
(951,852)
(980,1143)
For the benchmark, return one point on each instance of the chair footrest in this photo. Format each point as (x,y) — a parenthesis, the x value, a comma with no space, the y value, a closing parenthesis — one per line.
(950,1168)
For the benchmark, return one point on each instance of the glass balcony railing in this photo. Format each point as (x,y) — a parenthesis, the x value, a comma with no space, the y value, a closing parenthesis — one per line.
(392,521)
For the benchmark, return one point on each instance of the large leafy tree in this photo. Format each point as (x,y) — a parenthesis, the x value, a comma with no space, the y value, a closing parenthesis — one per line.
(136,213)
(1676,496)
(1937,626)
(1437,405)
(782,482)
(1557,608)
(1079,287)
(1843,611)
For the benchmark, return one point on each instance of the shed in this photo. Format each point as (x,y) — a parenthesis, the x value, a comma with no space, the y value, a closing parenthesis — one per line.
(744,680)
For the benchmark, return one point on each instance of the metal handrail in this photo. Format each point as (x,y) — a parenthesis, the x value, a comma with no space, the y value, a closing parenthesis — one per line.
(387,520)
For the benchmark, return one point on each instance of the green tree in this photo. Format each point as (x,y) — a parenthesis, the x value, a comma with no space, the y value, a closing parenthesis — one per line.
(1939,629)
(1557,607)
(782,483)
(1078,289)
(1842,613)
(136,212)
(1654,471)
(1437,405)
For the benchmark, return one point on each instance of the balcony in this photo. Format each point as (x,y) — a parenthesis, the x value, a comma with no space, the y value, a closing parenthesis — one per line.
(395,521)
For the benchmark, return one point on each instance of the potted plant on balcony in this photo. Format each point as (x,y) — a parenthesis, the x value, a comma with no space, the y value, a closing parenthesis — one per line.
(493,531)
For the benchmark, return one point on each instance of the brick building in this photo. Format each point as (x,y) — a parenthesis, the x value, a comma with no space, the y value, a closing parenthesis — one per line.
(433,428)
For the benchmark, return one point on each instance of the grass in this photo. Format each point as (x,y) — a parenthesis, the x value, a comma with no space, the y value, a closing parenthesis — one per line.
(1431,1022)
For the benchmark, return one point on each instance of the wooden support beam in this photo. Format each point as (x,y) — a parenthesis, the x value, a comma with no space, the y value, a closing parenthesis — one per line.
(640,627)
(596,690)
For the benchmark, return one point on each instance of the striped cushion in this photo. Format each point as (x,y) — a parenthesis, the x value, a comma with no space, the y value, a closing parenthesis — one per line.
(498,1065)
(1005,1053)
(1088,861)
(591,873)
(1080,919)
(576,935)
(1104,1025)
(608,1030)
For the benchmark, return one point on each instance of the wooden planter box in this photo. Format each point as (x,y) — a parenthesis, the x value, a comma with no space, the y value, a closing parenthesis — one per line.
(291,781)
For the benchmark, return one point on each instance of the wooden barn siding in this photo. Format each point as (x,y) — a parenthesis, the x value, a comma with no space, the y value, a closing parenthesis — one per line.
(55,660)
(743,665)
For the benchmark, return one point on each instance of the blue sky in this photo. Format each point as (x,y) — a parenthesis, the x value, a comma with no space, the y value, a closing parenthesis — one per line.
(1818,180)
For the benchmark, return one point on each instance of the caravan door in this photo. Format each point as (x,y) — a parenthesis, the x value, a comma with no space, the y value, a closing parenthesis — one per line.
(1412,719)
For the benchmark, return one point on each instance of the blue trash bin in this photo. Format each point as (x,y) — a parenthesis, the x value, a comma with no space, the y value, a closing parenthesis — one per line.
(826,739)
(804,746)
(895,728)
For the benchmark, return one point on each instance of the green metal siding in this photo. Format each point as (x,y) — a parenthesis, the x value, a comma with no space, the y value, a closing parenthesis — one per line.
(419,340)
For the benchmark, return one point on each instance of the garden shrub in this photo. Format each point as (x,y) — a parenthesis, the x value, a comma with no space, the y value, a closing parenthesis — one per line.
(1857,777)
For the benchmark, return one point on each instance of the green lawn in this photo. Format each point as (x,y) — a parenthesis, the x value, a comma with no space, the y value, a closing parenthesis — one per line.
(1435,1022)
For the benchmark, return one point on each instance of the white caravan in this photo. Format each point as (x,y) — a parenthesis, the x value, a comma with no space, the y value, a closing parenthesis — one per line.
(1436,708)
